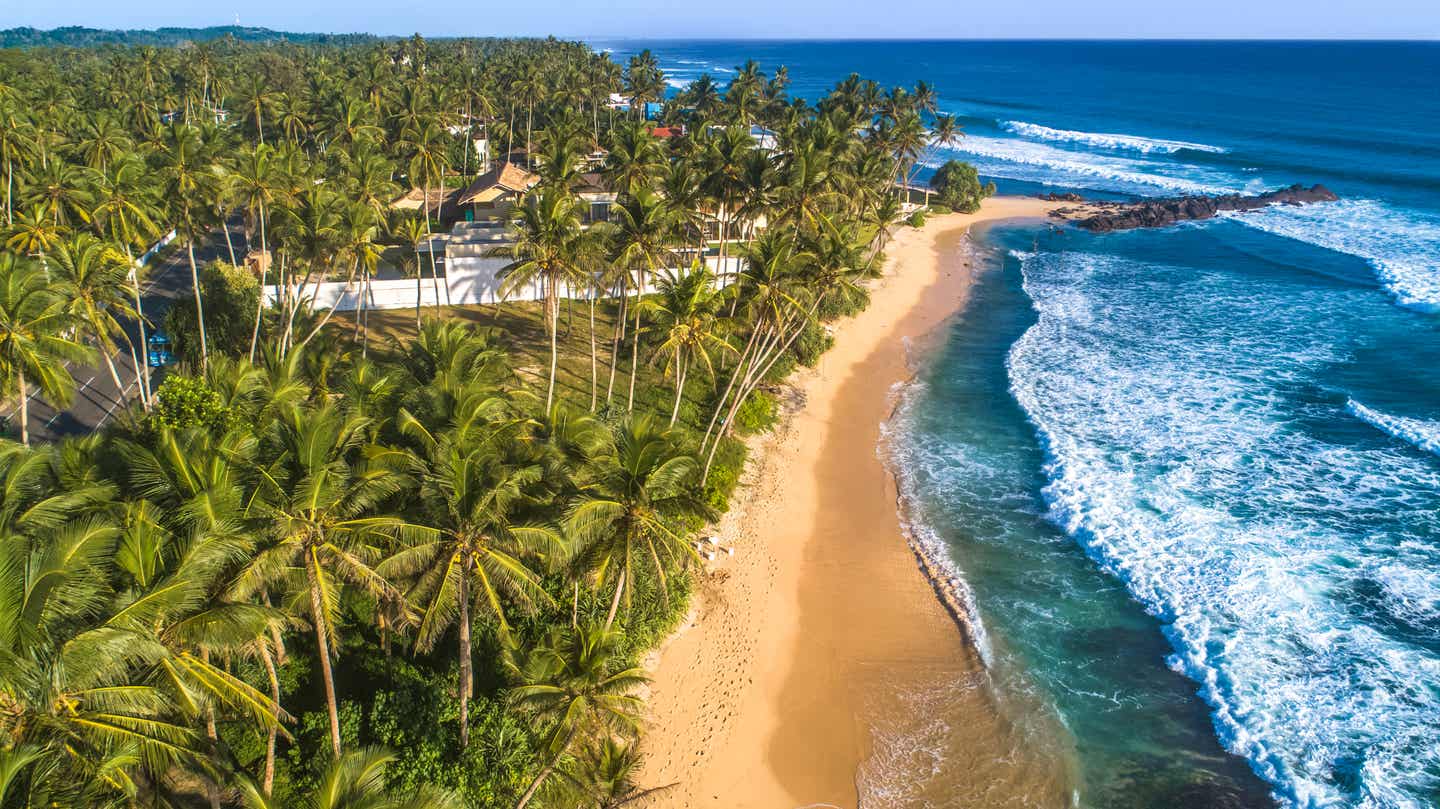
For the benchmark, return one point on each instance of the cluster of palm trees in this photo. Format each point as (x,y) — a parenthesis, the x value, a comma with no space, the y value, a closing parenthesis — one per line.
(293,489)
(151,576)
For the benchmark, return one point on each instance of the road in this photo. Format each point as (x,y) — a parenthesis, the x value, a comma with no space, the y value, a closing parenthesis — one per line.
(97,400)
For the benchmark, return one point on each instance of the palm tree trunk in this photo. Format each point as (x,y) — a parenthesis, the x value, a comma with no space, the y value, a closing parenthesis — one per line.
(135,363)
(114,377)
(267,781)
(349,282)
(212,788)
(545,773)
(615,601)
(229,244)
(594,381)
(24,410)
(430,242)
(199,306)
(366,293)
(618,336)
(142,372)
(419,291)
(635,349)
(552,314)
(322,645)
(679,390)
(264,267)
(466,677)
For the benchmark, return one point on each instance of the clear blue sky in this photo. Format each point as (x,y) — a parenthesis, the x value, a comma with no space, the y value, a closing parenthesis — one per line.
(1412,19)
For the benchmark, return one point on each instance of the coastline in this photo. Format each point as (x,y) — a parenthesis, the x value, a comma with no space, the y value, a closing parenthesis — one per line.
(800,675)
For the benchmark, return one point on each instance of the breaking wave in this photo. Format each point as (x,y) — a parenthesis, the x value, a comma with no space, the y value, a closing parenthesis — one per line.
(1270,556)
(1422,434)
(1103,140)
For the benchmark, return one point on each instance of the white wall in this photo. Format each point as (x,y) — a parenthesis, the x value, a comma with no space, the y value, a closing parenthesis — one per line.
(471,278)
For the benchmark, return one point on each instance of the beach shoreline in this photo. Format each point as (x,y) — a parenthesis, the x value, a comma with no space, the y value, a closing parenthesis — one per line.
(789,682)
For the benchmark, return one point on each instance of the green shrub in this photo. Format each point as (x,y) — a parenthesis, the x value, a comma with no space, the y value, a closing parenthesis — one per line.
(811,343)
(725,473)
(757,413)
(959,188)
(229,295)
(189,401)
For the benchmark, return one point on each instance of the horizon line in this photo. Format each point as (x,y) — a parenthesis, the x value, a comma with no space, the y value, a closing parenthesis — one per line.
(1298,38)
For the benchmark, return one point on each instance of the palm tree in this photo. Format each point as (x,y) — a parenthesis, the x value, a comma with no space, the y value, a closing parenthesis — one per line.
(569,684)
(321,502)
(355,238)
(644,81)
(633,506)
(92,276)
(644,229)
(476,496)
(102,140)
(35,234)
(550,249)
(726,157)
(413,231)
(427,145)
(36,325)
(188,187)
(636,157)
(70,684)
(687,316)
(17,142)
(124,213)
(356,780)
(602,775)
(257,102)
(310,235)
(255,183)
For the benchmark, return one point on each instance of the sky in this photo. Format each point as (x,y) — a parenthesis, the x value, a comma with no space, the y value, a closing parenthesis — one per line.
(822,19)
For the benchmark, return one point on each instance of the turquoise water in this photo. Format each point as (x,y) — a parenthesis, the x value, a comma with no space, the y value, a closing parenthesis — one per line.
(1191,475)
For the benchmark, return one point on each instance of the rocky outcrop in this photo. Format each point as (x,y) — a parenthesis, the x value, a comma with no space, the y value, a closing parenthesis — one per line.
(1102,217)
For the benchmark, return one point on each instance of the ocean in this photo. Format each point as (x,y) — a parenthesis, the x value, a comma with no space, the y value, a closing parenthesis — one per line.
(1190,476)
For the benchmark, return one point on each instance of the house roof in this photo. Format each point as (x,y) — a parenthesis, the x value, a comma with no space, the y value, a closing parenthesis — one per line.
(667,131)
(504,177)
(415,198)
(591,182)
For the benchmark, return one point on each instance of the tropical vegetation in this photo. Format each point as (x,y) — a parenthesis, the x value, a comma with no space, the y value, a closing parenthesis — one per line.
(390,558)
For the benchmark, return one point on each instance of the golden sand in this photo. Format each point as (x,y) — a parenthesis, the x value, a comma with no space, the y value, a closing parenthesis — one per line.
(818,665)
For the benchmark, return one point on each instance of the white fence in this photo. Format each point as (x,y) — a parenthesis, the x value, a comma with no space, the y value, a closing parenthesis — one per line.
(470,278)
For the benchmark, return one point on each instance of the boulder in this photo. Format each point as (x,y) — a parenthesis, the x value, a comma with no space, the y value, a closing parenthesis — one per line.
(1155,213)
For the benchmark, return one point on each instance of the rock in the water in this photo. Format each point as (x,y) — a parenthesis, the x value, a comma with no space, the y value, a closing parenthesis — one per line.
(1155,213)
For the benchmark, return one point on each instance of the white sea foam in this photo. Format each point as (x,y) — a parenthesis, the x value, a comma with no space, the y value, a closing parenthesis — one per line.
(1105,140)
(1421,433)
(1402,246)
(677,83)
(1175,464)
(894,452)
(1038,162)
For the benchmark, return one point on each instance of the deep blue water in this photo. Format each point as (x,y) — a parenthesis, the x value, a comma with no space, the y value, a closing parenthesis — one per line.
(1192,476)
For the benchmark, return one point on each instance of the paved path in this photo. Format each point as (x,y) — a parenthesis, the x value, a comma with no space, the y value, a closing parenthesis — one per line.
(96,398)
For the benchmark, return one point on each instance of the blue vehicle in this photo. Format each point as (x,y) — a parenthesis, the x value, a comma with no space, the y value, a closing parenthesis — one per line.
(159,354)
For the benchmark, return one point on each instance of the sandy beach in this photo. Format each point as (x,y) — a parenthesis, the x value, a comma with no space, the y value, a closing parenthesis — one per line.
(819,666)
